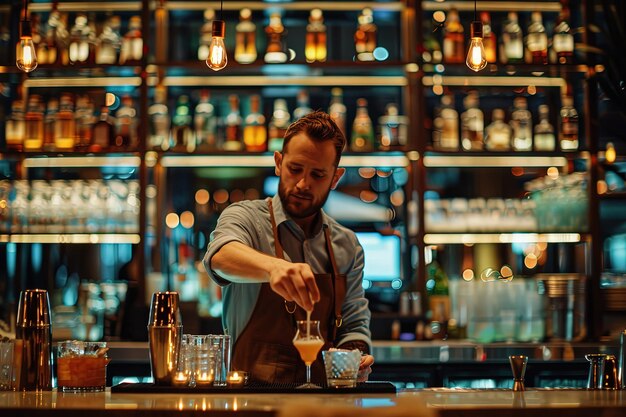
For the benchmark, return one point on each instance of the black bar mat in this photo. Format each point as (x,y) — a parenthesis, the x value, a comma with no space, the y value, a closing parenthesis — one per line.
(370,387)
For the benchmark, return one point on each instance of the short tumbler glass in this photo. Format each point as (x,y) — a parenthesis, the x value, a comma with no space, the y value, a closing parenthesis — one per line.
(81,366)
(342,367)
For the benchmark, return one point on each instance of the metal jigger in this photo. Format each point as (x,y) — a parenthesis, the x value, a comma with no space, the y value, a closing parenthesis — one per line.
(518,366)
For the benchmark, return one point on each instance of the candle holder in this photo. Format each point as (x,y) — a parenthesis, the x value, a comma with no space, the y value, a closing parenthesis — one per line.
(204,379)
(181,379)
(236,378)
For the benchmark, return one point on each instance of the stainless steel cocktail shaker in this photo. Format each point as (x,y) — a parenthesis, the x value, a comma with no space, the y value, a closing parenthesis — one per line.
(33,342)
(165,329)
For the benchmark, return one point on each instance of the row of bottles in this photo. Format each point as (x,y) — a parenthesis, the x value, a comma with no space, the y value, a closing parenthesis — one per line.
(63,125)
(58,43)
(513,47)
(518,134)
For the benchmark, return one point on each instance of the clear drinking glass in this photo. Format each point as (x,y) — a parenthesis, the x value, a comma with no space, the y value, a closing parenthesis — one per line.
(308,340)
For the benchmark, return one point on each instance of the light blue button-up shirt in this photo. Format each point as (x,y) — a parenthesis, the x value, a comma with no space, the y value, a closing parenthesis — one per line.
(248,222)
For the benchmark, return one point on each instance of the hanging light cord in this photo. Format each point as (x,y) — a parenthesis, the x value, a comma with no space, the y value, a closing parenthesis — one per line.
(221,9)
(25,10)
(474,10)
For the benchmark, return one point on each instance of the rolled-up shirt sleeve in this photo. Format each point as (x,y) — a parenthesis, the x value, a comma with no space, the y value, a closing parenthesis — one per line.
(234,225)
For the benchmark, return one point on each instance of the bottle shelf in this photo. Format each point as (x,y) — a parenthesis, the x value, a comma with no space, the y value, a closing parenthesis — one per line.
(280,79)
(71,82)
(296,5)
(475,238)
(72,238)
(529,71)
(378,160)
(88,6)
(81,161)
(493,160)
(494,6)
(494,81)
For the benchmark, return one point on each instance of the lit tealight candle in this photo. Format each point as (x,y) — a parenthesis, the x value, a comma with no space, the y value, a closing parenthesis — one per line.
(180,379)
(204,378)
(236,378)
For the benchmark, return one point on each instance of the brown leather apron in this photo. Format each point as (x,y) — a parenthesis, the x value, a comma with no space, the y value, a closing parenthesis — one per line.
(265,346)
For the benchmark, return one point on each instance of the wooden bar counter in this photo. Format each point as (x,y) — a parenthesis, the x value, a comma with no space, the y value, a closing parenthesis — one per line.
(425,402)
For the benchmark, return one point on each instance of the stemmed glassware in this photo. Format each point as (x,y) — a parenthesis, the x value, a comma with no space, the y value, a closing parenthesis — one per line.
(308,340)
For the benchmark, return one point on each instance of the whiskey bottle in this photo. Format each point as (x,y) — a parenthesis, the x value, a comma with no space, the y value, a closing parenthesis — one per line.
(65,125)
(278,125)
(82,41)
(276,52)
(233,121)
(109,42)
(365,36)
(205,122)
(489,38)
(132,43)
(33,123)
(544,131)
(206,33)
(84,122)
(254,133)
(15,129)
(362,139)
(245,40)
(103,133)
(57,37)
(337,110)
(159,121)
(521,125)
(563,40)
(568,134)
(315,42)
(498,133)
(453,40)
(303,105)
(393,128)
(183,136)
(125,125)
(446,126)
(537,40)
(512,41)
(472,124)
(49,125)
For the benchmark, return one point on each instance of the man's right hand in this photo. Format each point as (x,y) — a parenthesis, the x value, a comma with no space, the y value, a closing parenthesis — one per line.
(295,282)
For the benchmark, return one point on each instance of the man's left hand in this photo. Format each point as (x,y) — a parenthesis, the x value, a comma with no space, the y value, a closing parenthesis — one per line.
(365,368)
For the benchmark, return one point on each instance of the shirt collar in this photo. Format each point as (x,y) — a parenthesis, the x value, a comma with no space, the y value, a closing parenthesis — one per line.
(281,217)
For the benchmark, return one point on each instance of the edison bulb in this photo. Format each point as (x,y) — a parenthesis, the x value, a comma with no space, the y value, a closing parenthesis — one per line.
(610,155)
(26,56)
(217,50)
(476,59)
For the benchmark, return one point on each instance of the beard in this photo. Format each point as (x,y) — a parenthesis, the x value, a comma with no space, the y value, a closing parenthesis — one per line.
(300,205)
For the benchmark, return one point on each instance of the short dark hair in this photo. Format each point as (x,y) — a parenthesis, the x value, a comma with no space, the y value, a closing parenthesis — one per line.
(318,126)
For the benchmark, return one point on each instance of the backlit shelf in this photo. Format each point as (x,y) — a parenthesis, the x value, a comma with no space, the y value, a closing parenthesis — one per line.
(475,238)
(295,5)
(493,6)
(71,238)
(83,82)
(82,162)
(492,161)
(493,81)
(88,6)
(282,80)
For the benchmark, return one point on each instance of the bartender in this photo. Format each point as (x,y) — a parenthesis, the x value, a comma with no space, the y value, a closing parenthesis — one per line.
(281,257)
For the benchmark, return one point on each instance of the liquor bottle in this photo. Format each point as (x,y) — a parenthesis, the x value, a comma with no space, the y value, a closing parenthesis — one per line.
(278,125)
(183,136)
(206,33)
(303,105)
(109,42)
(125,125)
(132,43)
(498,133)
(276,52)
(82,40)
(537,40)
(365,36)
(254,133)
(232,141)
(49,125)
(103,132)
(563,40)
(453,40)
(512,41)
(159,121)
(315,42)
(393,128)
(544,131)
(438,292)
(337,110)
(15,127)
(446,126)
(432,53)
(205,122)
(65,125)
(362,139)
(38,40)
(472,124)
(245,40)
(57,37)
(568,134)
(521,125)
(84,122)
(489,38)
(33,124)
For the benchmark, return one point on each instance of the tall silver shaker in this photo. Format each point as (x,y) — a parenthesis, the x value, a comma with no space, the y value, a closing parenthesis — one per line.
(165,329)
(622,360)
(33,344)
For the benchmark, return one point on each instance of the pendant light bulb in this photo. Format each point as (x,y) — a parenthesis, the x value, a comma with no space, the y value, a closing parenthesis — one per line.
(610,155)
(217,50)
(476,58)
(26,58)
